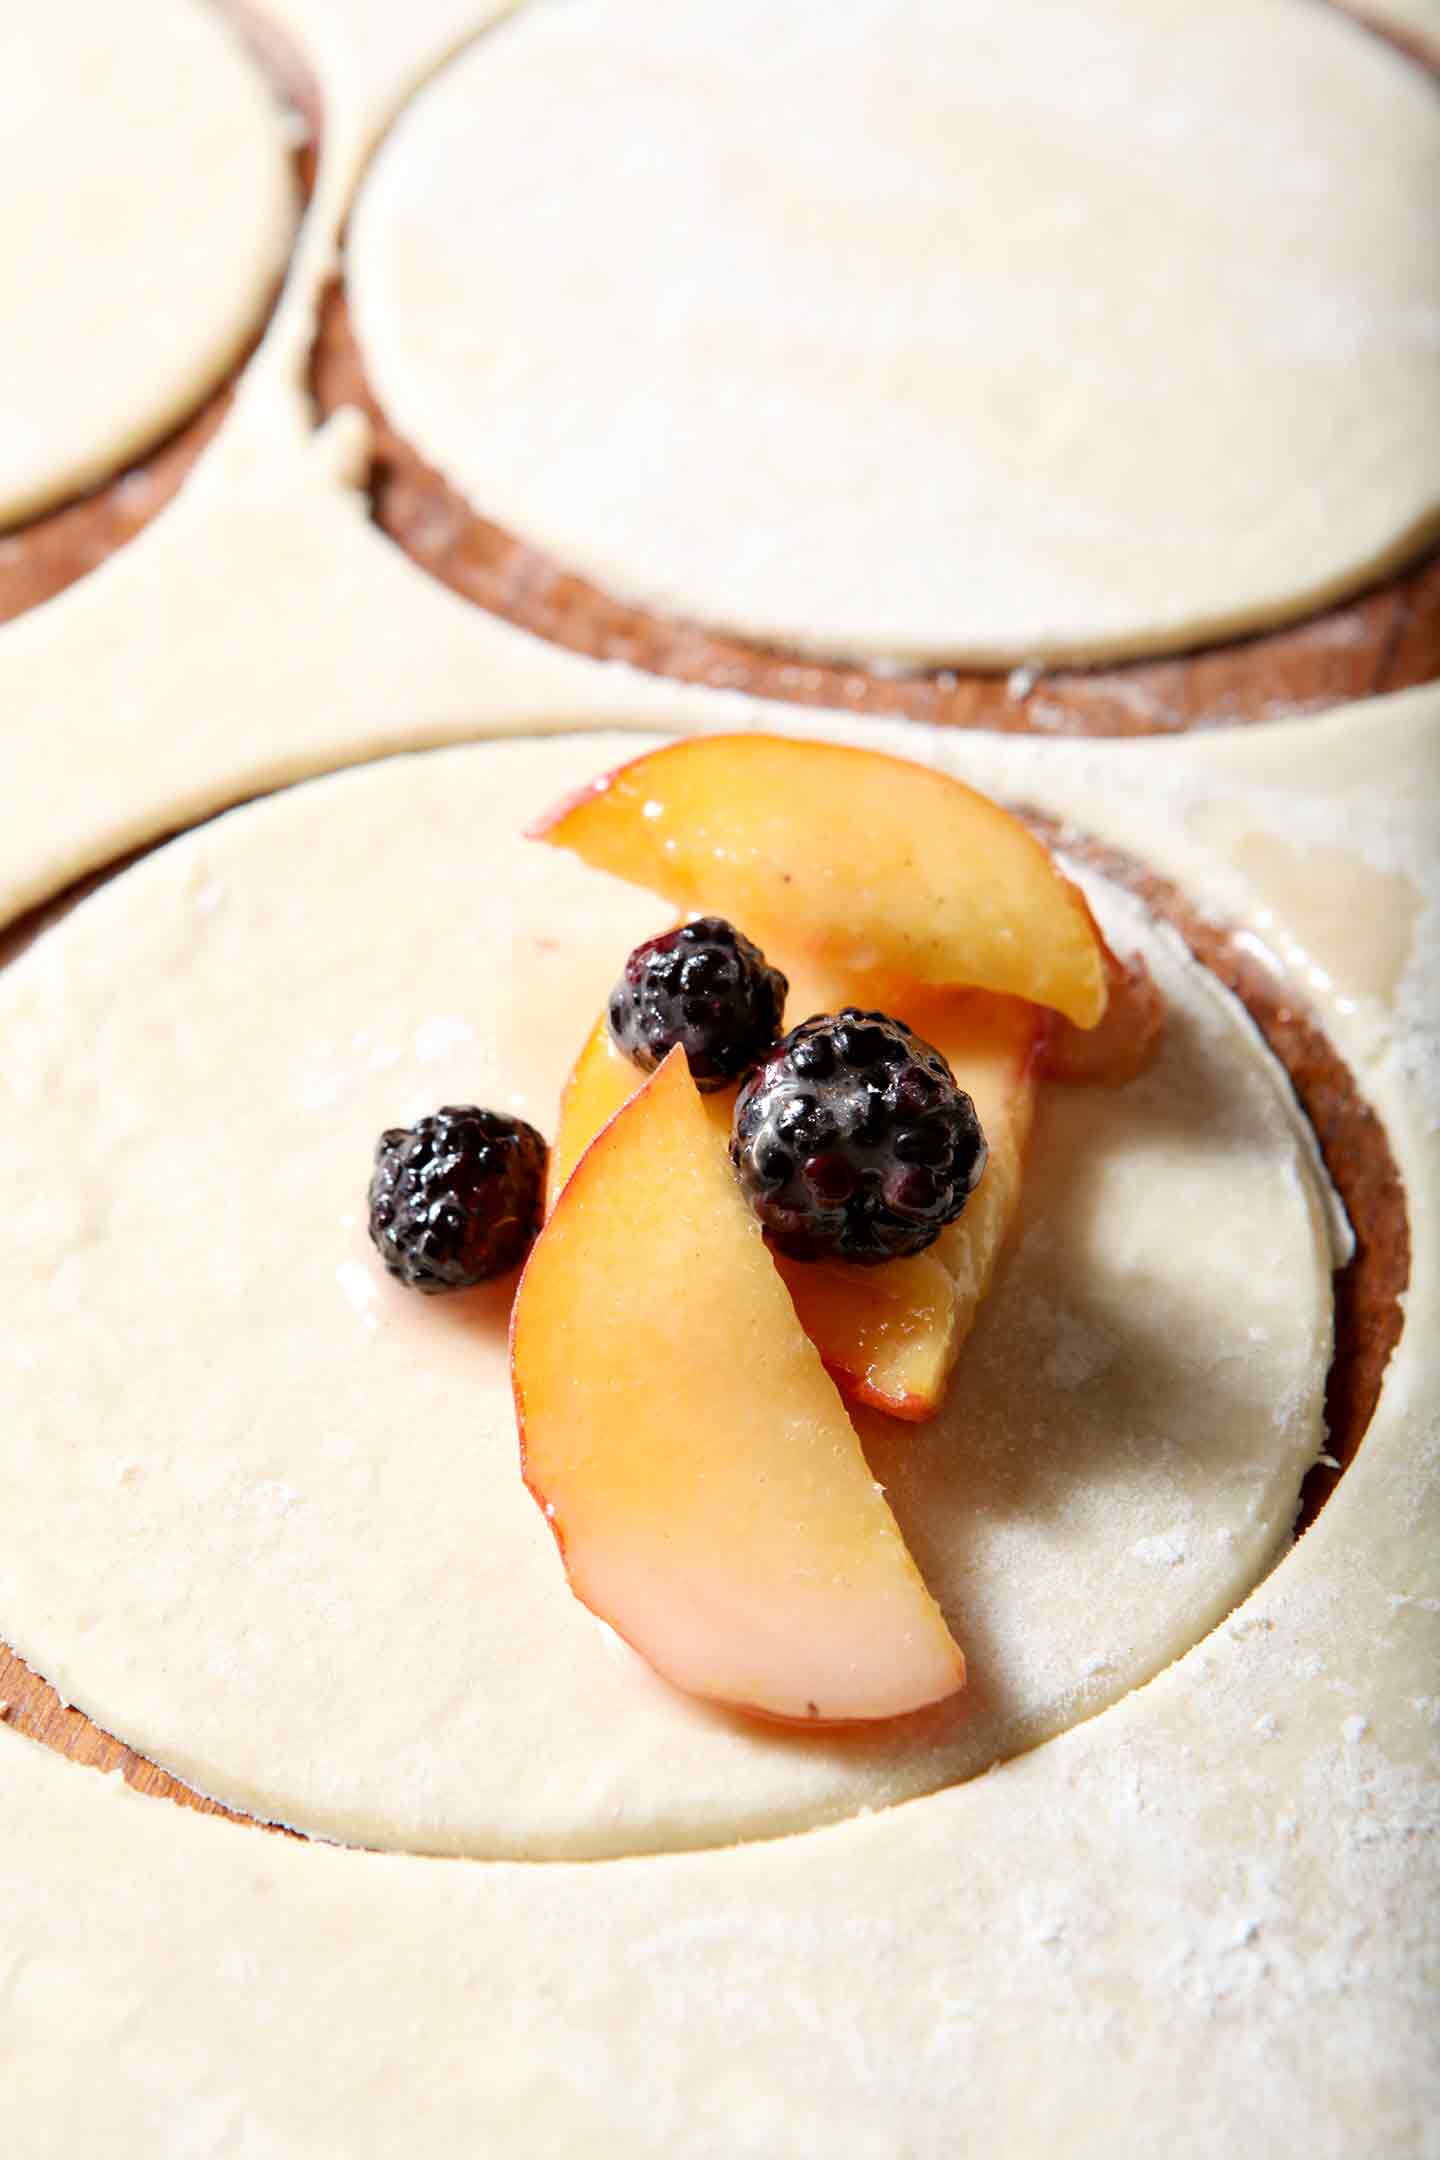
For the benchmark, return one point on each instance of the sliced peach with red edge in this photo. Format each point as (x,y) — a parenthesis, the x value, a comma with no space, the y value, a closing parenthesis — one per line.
(1127,1039)
(888,1335)
(871,864)
(602,1080)
(707,1490)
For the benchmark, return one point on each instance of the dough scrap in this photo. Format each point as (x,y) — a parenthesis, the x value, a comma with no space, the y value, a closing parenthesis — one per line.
(929,332)
(298,1564)
(1204,1918)
(149,130)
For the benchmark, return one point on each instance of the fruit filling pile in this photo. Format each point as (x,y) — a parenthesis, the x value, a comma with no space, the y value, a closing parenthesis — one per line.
(787,1160)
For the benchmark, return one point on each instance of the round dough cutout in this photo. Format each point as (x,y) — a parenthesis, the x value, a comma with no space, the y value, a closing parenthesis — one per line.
(265,1518)
(147,170)
(923,331)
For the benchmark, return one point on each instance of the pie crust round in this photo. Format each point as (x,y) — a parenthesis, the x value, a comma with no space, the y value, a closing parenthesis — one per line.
(150,129)
(1033,333)
(299,1565)
(1202,1919)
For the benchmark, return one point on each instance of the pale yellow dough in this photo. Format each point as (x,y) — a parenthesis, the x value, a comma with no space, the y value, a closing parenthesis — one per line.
(298,1563)
(1199,1922)
(150,203)
(891,328)
(1202,1918)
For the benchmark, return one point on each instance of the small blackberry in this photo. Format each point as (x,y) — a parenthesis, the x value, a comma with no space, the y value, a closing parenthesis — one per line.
(706,987)
(853,1141)
(456,1198)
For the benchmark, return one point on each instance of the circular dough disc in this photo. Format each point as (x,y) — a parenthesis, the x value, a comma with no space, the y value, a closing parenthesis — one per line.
(264,1515)
(146,170)
(935,331)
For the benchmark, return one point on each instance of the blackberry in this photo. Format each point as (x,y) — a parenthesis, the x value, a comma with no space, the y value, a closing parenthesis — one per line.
(852,1140)
(456,1198)
(706,987)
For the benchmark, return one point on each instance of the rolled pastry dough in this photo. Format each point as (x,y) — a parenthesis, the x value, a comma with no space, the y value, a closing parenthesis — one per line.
(265,1519)
(924,328)
(150,203)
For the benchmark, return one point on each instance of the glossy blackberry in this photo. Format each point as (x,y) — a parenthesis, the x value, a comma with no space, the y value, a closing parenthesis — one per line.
(706,987)
(456,1198)
(852,1140)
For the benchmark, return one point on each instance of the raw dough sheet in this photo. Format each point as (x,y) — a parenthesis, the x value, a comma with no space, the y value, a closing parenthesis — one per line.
(1200,1920)
(933,330)
(299,1565)
(1205,1912)
(139,258)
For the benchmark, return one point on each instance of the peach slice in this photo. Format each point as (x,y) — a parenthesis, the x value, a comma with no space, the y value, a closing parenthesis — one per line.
(889,1335)
(872,864)
(602,1080)
(708,1492)
(1126,1040)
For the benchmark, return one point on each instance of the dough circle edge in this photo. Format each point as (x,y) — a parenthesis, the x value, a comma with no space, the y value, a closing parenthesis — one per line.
(713,540)
(231,145)
(363,1801)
